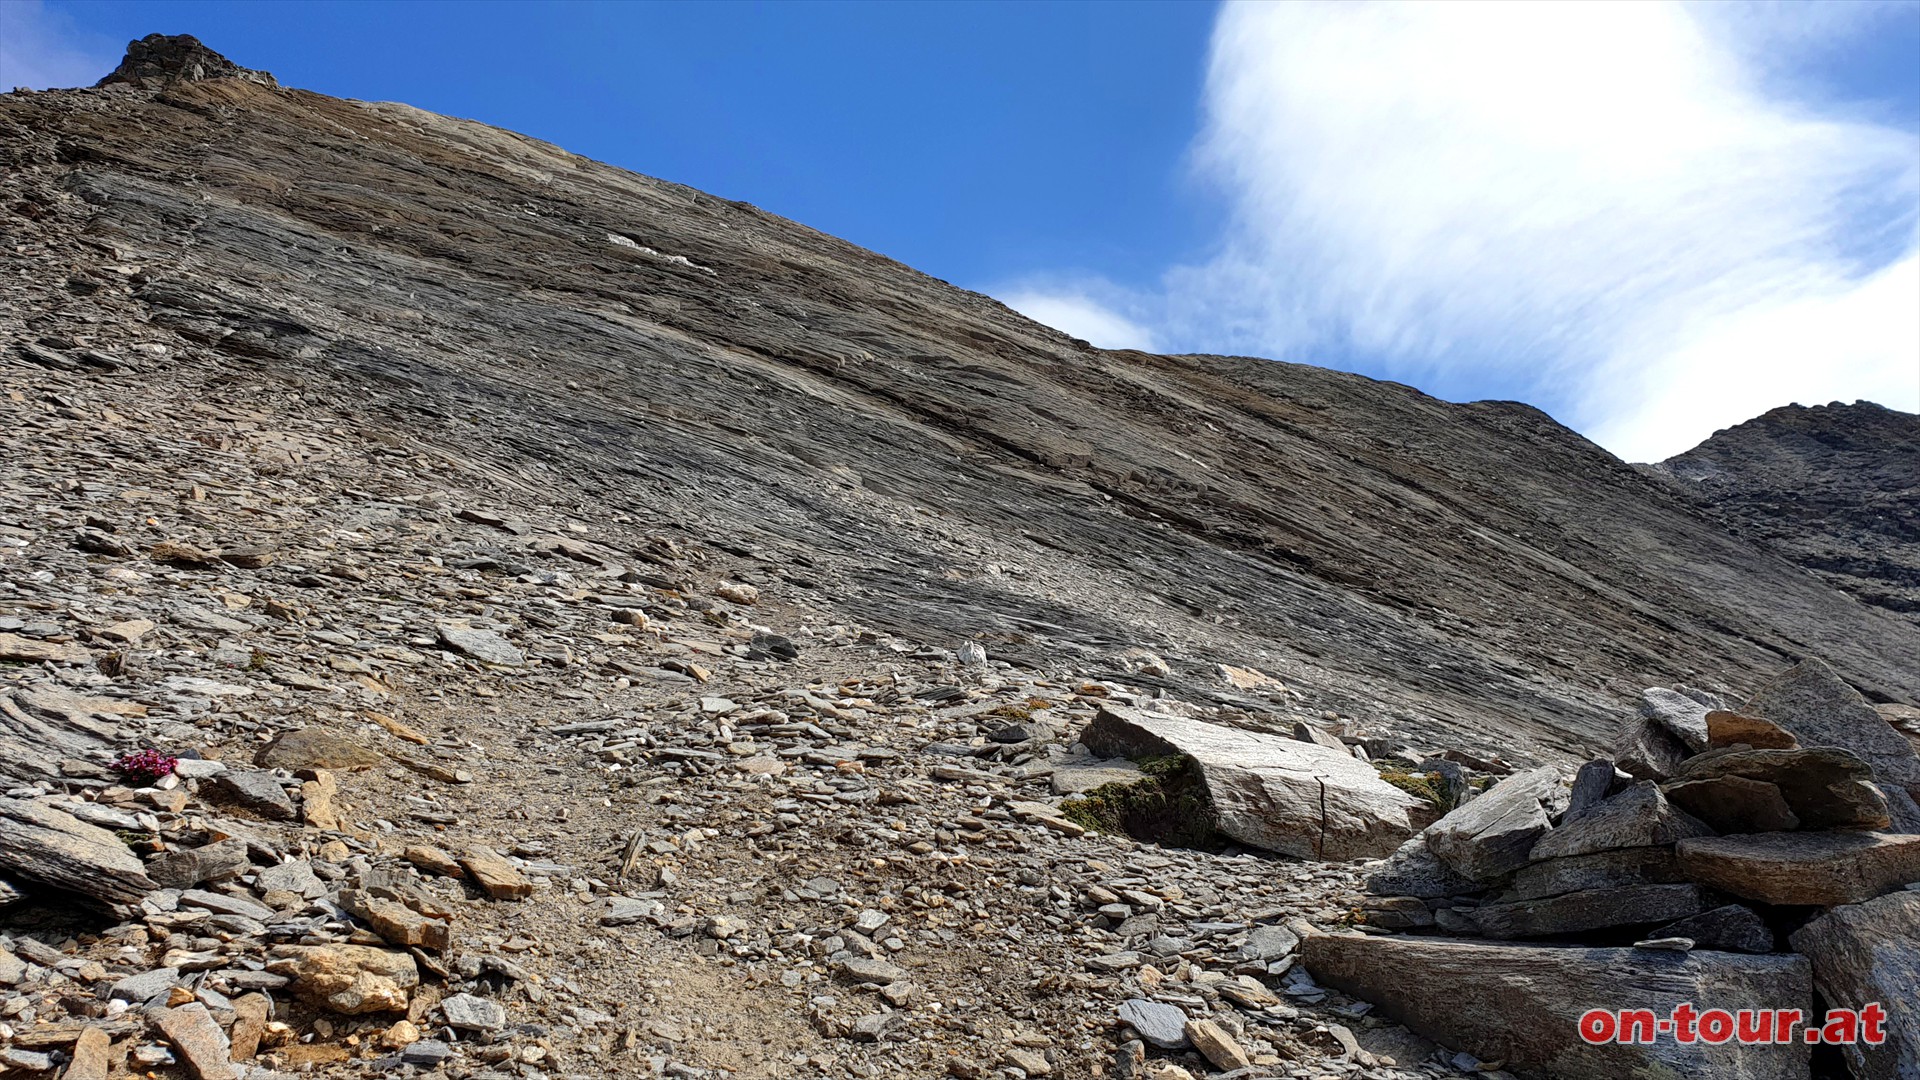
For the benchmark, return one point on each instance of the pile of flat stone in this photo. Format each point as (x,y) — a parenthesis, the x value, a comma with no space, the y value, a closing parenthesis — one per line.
(1731,858)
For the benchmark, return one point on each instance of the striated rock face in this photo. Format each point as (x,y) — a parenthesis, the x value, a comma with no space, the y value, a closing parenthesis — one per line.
(161,60)
(899,452)
(1830,487)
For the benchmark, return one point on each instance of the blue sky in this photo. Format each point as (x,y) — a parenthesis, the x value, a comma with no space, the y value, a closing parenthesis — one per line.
(1651,219)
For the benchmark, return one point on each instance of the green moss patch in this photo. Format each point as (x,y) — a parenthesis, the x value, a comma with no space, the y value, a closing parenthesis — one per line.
(1167,806)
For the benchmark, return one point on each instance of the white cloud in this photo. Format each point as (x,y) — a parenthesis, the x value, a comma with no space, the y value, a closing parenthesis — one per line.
(1614,210)
(1074,312)
(43,50)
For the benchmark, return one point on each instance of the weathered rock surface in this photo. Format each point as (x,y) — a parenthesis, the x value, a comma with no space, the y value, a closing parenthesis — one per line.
(1600,870)
(1521,1004)
(1734,804)
(1870,952)
(1414,870)
(1822,868)
(1824,788)
(40,843)
(1817,706)
(1270,791)
(1593,909)
(1491,836)
(1683,717)
(1732,928)
(1637,817)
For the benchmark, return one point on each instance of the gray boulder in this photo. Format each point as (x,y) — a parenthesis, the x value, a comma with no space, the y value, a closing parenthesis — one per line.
(1871,953)
(1592,909)
(1807,868)
(1490,837)
(1813,703)
(1637,817)
(1730,928)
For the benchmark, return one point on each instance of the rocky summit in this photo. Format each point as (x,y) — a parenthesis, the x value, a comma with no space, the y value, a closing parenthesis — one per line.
(470,611)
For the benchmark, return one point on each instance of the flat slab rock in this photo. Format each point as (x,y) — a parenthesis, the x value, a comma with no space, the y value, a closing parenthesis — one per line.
(1871,952)
(1270,791)
(1816,706)
(43,844)
(1591,909)
(1823,787)
(1521,1004)
(1820,868)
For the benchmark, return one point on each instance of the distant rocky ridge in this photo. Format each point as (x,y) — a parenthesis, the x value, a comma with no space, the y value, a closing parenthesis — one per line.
(1834,488)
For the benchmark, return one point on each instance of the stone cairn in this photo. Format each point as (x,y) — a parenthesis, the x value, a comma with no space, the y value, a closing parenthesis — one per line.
(1728,857)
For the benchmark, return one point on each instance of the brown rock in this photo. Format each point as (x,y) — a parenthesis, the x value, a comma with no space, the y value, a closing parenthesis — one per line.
(194,1033)
(1521,1004)
(1865,953)
(183,555)
(348,979)
(1734,804)
(33,651)
(316,801)
(1727,729)
(433,860)
(1823,868)
(250,1015)
(495,874)
(397,923)
(316,748)
(91,1057)
(1217,1046)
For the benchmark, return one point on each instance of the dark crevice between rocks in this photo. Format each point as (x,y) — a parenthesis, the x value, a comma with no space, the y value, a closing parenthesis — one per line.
(1168,806)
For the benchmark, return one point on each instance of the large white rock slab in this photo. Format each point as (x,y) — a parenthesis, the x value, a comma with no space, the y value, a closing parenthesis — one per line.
(1270,791)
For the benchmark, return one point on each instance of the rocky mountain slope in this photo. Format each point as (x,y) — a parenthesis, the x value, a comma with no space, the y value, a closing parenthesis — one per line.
(1834,488)
(575,626)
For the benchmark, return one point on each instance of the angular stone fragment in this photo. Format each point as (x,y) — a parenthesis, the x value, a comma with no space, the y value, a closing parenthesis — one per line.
(1217,1046)
(470,1013)
(1414,870)
(25,650)
(1683,717)
(198,1038)
(294,876)
(222,904)
(317,807)
(1592,909)
(348,979)
(1491,836)
(396,922)
(1865,953)
(1825,787)
(255,790)
(1730,928)
(1521,1004)
(1818,707)
(1160,1024)
(91,1057)
(495,874)
(1306,732)
(1822,868)
(1728,729)
(1591,785)
(250,1015)
(1648,751)
(43,844)
(1734,804)
(1270,792)
(316,748)
(1600,870)
(482,645)
(144,986)
(433,860)
(1637,817)
(188,867)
